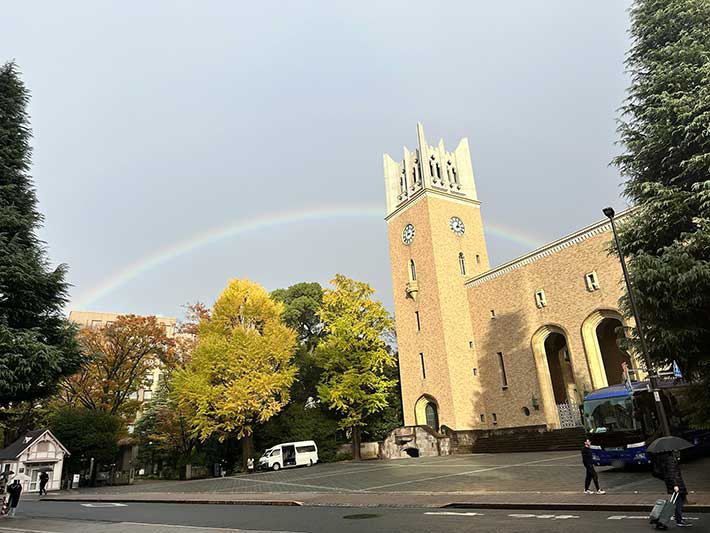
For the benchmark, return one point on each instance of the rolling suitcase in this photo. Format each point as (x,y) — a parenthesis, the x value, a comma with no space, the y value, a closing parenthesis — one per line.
(663,511)
(656,511)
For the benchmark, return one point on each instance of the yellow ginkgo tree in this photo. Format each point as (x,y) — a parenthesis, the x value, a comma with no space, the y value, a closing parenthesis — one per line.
(240,373)
(353,355)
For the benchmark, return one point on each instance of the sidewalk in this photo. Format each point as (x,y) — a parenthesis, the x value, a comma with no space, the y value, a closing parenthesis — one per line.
(571,501)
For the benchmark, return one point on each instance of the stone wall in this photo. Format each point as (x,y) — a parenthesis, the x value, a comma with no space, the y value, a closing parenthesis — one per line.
(415,441)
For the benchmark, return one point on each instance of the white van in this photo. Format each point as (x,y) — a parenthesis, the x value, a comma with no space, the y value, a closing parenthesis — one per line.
(290,454)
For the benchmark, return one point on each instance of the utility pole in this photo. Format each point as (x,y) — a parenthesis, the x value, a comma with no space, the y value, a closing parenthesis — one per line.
(652,375)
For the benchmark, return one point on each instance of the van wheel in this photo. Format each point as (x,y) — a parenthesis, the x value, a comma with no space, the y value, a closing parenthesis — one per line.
(310,462)
(276,466)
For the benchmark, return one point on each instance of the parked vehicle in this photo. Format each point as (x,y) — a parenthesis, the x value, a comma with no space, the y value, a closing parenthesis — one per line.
(289,454)
(621,422)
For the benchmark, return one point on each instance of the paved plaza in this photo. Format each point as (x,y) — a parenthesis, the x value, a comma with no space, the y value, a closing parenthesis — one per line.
(545,472)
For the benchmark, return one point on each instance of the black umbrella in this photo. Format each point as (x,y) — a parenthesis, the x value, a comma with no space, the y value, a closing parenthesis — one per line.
(668,444)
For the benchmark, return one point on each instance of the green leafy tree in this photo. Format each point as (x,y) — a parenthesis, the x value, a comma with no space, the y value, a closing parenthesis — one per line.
(665,130)
(37,344)
(302,302)
(87,434)
(240,373)
(354,356)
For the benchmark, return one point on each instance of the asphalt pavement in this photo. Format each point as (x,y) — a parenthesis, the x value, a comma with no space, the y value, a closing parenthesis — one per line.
(77,517)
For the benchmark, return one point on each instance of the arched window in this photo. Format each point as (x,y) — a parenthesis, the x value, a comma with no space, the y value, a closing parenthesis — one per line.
(432,416)
(438,171)
(462,264)
(412,271)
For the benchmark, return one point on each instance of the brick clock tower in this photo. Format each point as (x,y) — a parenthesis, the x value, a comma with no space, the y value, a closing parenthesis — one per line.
(436,242)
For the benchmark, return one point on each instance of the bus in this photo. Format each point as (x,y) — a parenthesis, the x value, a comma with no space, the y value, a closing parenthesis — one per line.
(621,421)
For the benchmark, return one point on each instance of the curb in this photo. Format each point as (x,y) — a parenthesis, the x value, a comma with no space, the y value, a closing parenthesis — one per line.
(536,506)
(277,503)
(634,507)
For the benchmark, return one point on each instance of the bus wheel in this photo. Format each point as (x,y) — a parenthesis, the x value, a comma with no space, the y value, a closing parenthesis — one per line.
(276,466)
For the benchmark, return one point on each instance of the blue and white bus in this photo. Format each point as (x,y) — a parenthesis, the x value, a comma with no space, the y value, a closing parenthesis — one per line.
(621,422)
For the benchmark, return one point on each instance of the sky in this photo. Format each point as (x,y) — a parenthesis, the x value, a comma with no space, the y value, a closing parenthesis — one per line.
(178,144)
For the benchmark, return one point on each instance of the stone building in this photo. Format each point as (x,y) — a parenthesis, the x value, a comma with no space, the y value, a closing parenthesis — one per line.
(482,348)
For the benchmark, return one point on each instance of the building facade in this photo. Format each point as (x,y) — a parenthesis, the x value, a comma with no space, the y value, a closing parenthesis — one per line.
(484,348)
(34,452)
(148,389)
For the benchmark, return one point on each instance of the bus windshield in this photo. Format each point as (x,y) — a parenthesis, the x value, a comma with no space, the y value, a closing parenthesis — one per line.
(610,414)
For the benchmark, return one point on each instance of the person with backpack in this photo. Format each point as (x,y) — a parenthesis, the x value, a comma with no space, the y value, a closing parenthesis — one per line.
(14,491)
(666,467)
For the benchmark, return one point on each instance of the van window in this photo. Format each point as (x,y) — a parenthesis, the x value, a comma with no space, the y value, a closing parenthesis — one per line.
(305,449)
(277,451)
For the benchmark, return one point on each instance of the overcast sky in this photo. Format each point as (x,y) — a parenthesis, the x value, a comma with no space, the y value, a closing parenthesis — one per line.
(181,144)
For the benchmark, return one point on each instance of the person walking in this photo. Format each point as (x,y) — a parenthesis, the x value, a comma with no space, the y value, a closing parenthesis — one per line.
(588,463)
(14,491)
(670,470)
(43,479)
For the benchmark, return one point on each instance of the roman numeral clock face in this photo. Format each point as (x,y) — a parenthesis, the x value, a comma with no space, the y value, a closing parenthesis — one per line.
(456,225)
(408,234)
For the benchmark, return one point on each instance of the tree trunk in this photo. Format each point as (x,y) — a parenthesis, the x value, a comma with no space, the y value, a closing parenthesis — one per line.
(247,447)
(356,443)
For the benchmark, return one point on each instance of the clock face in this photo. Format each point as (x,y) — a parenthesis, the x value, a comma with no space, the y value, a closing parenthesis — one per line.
(408,234)
(457,226)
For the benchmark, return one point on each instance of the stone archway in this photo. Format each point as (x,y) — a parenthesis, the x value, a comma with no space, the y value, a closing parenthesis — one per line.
(555,374)
(426,412)
(599,335)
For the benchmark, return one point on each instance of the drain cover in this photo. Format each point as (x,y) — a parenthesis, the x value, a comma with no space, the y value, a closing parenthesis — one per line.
(361,516)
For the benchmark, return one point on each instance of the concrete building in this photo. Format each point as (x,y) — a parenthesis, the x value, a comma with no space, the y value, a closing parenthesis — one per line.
(149,388)
(485,348)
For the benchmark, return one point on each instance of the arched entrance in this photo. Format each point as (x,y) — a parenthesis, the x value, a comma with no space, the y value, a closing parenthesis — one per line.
(558,386)
(426,412)
(601,332)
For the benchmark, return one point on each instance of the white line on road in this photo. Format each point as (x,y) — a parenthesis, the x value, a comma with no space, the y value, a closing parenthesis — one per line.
(106,504)
(25,530)
(498,467)
(288,484)
(451,513)
(544,516)
(207,528)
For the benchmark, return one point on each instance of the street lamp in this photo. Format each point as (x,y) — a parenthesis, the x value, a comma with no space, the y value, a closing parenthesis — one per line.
(652,376)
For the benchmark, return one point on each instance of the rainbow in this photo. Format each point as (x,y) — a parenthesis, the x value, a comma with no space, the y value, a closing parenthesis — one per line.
(236,228)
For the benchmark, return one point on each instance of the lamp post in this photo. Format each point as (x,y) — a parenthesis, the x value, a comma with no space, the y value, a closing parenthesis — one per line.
(652,376)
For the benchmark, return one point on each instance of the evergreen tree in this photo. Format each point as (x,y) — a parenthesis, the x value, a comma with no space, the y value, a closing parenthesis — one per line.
(37,344)
(665,129)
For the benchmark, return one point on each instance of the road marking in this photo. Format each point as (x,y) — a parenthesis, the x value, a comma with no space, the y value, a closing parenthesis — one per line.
(2,528)
(499,467)
(451,513)
(545,516)
(206,528)
(289,484)
(103,504)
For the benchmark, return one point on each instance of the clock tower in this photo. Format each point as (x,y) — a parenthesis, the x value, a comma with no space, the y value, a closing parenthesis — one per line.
(436,243)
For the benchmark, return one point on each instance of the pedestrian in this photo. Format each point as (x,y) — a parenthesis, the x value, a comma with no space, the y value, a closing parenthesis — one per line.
(43,479)
(14,491)
(588,463)
(670,470)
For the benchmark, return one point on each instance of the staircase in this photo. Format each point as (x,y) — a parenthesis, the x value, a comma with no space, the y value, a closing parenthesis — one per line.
(547,441)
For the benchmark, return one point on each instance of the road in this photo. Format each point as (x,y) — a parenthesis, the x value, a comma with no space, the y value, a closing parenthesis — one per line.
(75,517)
(518,472)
